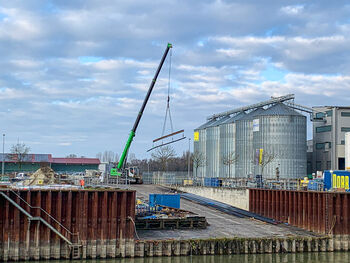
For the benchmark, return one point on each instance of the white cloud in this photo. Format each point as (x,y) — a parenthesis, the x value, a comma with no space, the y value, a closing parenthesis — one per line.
(221,50)
(292,9)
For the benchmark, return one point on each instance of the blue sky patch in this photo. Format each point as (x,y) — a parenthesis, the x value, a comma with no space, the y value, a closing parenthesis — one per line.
(272,73)
(89,59)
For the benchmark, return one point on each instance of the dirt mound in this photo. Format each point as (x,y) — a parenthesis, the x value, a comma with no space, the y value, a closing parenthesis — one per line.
(42,176)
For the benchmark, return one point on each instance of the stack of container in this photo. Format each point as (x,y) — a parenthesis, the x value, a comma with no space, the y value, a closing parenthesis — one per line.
(212,182)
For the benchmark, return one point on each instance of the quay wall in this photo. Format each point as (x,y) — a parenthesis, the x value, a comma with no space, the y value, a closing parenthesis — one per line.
(238,197)
(228,246)
(320,212)
(98,223)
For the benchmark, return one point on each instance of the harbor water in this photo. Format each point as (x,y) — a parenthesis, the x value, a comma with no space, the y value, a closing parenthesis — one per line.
(320,257)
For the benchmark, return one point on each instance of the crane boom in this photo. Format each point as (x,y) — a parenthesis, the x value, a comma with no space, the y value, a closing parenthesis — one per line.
(133,131)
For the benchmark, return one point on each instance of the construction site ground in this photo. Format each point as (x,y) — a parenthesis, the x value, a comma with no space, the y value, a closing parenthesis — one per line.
(221,225)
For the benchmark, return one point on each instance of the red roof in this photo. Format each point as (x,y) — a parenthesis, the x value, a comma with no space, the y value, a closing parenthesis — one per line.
(76,160)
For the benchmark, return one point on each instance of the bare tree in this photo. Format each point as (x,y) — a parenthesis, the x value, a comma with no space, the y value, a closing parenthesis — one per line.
(265,159)
(116,158)
(198,160)
(131,157)
(99,156)
(19,153)
(108,156)
(229,159)
(163,155)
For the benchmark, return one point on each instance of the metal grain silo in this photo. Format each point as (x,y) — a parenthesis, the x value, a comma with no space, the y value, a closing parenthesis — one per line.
(199,147)
(227,145)
(281,132)
(244,144)
(213,147)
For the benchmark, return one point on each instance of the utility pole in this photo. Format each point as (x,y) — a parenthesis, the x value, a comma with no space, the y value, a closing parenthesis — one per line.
(3,155)
(189,157)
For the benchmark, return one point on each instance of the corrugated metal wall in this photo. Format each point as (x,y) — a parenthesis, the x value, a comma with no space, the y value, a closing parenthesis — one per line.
(244,144)
(284,137)
(101,222)
(321,212)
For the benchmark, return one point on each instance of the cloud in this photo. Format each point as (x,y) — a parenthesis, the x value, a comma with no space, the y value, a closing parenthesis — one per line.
(292,10)
(75,73)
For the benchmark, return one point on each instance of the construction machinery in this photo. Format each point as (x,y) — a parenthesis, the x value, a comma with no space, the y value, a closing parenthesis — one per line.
(121,171)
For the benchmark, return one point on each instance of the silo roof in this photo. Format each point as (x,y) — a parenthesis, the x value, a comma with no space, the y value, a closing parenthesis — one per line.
(219,121)
(236,117)
(280,109)
(253,113)
(205,125)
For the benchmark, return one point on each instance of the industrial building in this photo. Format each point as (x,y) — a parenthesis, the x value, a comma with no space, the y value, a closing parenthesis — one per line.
(32,162)
(265,138)
(330,123)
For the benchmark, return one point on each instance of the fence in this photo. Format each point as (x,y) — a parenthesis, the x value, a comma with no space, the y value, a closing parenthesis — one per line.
(183,179)
(166,178)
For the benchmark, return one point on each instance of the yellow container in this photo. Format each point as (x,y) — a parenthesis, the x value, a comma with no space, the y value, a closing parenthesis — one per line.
(188,182)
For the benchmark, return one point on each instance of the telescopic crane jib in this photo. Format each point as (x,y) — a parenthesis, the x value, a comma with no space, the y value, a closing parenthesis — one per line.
(121,162)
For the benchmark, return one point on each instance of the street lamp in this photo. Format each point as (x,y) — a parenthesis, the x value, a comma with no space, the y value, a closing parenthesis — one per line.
(3,155)
(189,157)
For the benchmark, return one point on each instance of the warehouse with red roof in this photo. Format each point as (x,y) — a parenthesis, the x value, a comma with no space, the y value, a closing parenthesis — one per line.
(32,162)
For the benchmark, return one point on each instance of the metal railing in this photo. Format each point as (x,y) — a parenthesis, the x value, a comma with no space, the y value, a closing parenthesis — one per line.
(30,217)
(182,179)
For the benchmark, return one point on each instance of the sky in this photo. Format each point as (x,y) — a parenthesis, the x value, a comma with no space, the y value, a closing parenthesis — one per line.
(74,73)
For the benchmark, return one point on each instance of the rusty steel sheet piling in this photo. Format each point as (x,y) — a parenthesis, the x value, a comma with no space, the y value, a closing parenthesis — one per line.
(55,224)
(320,212)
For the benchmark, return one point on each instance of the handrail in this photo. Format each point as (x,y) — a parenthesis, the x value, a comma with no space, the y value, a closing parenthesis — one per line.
(35,218)
(54,219)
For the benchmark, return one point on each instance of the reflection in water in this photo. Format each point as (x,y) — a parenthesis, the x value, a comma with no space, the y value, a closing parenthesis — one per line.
(336,257)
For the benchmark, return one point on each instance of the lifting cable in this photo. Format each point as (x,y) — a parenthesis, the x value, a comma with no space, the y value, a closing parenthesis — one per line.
(168,100)
(168,114)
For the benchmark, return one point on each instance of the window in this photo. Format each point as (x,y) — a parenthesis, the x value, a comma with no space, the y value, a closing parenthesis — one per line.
(320,115)
(342,142)
(318,166)
(320,146)
(345,114)
(329,113)
(345,129)
(327,128)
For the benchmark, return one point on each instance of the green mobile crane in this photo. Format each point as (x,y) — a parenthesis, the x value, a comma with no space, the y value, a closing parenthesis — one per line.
(121,171)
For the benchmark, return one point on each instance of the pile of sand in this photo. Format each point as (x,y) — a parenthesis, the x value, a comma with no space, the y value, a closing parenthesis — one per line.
(43,176)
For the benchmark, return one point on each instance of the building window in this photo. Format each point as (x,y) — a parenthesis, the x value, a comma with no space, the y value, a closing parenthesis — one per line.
(345,129)
(320,146)
(318,166)
(320,115)
(327,128)
(329,113)
(345,114)
(342,142)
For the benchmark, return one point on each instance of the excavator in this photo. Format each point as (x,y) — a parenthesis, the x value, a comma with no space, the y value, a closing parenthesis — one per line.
(131,174)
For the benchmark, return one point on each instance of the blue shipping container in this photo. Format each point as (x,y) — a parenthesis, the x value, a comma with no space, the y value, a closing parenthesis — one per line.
(171,200)
(207,181)
(336,179)
(212,182)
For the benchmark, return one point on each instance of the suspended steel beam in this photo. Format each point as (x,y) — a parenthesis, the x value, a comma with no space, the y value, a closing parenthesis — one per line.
(161,145)
(166,136)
